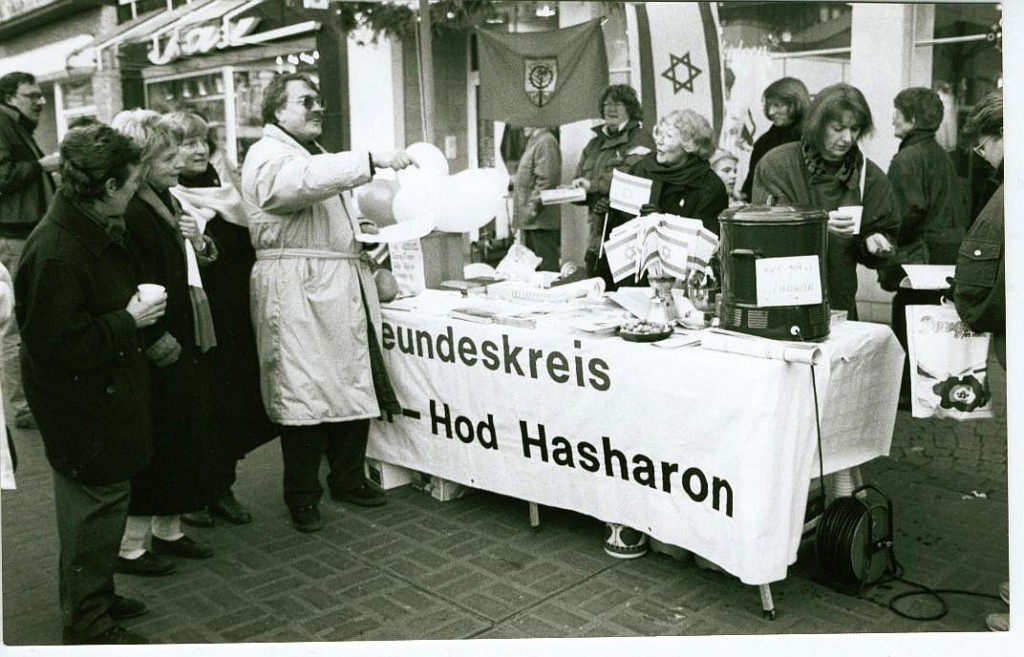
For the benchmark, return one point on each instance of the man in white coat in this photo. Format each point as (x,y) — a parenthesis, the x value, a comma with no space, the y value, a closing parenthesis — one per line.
(314,303)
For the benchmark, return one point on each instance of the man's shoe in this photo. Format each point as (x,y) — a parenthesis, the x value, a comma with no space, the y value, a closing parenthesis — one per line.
(998,622)
(228,508)
(148,565)
(1004,592)
(183,547)
(362,496)
(307,519)
(123,608)
(26,422)
(201,518)
(117,635)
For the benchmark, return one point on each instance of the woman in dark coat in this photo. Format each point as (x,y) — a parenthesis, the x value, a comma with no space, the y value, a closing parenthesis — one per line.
(785,103)
(684,183)
(85,375)
(239,419)
(177,479)
(930,203)
(823,170)
(619,142)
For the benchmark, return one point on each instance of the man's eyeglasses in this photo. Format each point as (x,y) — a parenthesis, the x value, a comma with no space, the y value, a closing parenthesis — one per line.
(35,96)
(309,102)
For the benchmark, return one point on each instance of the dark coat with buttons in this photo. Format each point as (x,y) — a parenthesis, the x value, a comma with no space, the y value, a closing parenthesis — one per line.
(979,285)
(85,376)
(177,479)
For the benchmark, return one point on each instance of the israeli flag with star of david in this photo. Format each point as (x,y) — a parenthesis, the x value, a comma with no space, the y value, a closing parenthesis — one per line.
(676,57)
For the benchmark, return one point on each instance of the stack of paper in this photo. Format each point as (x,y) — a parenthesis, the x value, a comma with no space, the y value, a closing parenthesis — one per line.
(661,245)
(560,195)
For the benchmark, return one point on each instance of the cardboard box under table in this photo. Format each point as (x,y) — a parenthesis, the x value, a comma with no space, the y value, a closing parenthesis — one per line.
(709,451)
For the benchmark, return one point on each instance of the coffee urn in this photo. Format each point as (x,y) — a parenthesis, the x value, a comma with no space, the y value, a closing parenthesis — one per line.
(786,247)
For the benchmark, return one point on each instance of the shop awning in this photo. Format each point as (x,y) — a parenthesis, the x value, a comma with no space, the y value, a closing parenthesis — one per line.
(51,61)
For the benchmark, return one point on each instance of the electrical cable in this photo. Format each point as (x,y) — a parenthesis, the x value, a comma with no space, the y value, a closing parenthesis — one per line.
(837,531)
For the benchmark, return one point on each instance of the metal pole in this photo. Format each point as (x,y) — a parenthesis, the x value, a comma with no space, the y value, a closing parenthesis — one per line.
(427,72)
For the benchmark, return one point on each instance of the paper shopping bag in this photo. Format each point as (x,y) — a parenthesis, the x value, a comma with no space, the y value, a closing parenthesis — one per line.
(948,365)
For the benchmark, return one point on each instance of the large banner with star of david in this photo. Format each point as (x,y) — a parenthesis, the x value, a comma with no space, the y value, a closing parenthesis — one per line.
(542,78)
(676,57)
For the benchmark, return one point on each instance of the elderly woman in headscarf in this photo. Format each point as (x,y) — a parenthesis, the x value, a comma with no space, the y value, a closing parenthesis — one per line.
(172,248)
(619,142)
(239,420)
(826,170)
(684,183)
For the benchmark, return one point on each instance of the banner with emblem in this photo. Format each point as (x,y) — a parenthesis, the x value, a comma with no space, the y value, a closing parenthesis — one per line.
(542,78)
(677,59)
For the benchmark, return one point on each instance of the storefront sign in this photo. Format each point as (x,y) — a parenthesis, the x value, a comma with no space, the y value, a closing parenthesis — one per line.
(200,40)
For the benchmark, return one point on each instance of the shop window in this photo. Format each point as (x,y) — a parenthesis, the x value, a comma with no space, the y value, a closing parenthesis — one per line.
(73,103)
(131,10)
(967,64)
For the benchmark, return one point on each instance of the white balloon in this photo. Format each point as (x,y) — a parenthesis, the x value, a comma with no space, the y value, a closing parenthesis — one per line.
(429,162)
(470,199)
(417,198)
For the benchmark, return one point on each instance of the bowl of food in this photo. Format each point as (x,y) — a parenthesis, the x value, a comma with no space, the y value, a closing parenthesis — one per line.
(641,330)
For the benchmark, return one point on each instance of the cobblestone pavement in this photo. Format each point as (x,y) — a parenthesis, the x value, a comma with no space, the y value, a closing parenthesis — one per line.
(472,568)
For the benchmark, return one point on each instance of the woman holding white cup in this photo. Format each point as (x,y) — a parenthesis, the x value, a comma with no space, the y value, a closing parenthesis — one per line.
(826,169)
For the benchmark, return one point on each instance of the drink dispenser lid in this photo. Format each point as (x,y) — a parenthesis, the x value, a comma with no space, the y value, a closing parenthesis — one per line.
(772,214)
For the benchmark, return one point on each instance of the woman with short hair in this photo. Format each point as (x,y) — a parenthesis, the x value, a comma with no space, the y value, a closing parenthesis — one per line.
(239,420)
(785,104)
(824,170)
(684,183)
(618,142)
(929,201)
(85,373)
(172,248)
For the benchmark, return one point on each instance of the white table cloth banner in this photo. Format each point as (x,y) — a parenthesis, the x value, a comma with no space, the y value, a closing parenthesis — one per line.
(706,450)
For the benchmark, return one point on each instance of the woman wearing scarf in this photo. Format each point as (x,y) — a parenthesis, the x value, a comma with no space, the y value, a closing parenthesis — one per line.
(239,419)
(684,183)
(172,248)
(825,169)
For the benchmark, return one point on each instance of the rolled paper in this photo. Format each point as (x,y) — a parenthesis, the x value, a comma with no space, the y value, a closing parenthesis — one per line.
(748,345)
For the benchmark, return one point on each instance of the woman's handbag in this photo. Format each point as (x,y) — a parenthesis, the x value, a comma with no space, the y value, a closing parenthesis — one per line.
(948,364)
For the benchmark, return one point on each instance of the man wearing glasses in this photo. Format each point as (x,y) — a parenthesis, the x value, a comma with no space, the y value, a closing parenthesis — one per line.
(314,302)
(26,188)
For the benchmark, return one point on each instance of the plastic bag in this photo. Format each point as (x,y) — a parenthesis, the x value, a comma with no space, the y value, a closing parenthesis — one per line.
(519,263)
(948,365)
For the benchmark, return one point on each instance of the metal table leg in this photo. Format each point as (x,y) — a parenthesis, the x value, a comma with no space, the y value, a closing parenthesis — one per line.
(534,516)
(767,604)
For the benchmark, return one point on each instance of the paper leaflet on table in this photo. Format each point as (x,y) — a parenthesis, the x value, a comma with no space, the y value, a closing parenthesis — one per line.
(628,193)
(660,244)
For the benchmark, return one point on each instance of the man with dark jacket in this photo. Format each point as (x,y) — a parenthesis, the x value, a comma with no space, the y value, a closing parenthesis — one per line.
(86,374)
(26,188)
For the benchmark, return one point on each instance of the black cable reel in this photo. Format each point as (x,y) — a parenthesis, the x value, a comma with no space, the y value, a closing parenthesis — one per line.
(853,542)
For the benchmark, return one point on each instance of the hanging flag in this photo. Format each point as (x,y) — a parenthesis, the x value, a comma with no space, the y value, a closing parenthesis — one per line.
(677,58)
(542,78)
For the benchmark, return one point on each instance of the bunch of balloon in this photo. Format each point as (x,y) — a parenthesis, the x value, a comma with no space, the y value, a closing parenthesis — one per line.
(421,187)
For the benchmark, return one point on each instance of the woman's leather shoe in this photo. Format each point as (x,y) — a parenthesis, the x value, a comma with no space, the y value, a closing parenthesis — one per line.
(148,565)
(228,508)
(183,547)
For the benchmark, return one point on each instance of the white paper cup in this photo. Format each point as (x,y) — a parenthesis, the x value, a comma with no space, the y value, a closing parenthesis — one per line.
(853,211)
(150,292)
